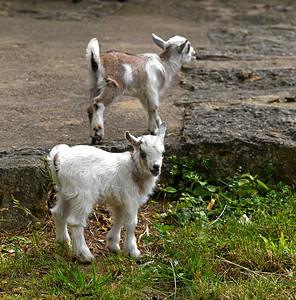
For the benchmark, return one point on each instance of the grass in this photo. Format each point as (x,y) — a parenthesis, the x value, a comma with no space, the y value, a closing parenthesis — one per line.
(200,246)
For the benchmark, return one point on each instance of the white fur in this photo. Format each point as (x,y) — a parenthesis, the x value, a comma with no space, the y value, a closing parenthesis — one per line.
(128,75)
(145,76)
(85,175)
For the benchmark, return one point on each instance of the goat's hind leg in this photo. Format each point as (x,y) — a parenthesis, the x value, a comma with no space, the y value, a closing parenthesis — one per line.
(80,247)
(60,213)
(151,104)
(77,221)
(111,92)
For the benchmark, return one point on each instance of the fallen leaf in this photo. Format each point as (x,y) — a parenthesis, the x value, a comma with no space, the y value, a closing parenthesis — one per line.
(211,204)
(181,74)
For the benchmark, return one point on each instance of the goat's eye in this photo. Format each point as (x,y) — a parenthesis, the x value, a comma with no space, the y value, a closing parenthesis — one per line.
(143,155)
(163,153)
(188,48)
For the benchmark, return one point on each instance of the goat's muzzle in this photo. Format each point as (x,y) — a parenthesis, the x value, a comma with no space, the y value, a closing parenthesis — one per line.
(156,170)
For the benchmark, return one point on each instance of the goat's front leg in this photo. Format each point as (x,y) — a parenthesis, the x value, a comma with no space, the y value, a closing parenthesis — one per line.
(130,244)
(113,236)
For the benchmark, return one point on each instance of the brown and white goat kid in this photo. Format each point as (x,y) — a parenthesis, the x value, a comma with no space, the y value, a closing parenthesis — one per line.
(85,175)
(145,76)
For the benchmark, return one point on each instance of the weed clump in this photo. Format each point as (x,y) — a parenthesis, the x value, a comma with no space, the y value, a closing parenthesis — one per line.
(206,238)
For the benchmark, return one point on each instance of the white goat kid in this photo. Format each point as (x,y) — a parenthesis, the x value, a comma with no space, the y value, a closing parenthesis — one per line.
(85,175)
(145,76)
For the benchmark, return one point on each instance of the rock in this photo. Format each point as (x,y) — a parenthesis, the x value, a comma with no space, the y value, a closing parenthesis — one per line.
(243,118)
(23,177)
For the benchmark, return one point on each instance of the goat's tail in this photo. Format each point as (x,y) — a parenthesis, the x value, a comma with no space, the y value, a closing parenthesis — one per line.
(95,68)
(54,160)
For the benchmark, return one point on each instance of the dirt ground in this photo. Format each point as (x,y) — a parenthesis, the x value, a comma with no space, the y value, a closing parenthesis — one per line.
(43,94)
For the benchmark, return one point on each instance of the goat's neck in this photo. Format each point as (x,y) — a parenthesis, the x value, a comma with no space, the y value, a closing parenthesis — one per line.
(139,177)
(171,64)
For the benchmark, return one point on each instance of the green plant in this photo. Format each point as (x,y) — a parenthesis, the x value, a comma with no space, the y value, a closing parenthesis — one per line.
(280,247)
(267,169)
(50,178)
(208,163)
(190,191)
(246,185)
(18,205)
(79,282)
(195,197)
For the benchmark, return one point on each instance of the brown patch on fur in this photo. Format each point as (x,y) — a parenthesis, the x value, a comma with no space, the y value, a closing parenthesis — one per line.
(109,94)
(113,63)
(111,82)
(136,176)
(143,163)
(166,54)
(95,106)
(138,66)
(90,112)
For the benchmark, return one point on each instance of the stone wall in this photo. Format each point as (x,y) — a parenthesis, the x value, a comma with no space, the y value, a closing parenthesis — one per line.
(23,177)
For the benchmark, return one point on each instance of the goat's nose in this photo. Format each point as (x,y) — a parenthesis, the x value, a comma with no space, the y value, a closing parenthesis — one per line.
(156,167)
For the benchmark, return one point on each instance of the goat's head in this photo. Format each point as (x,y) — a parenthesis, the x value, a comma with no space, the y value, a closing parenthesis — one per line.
(177,46)
(149,150)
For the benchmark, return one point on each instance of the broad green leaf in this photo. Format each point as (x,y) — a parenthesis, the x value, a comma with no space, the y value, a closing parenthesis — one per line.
(211,188)
(170,189)
(242,182)
(262,184)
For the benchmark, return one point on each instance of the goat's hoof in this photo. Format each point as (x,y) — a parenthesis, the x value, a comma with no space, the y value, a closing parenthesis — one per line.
(114,248)
(134,253)
(84,255)
(85,259)
(64,241)
(96,140)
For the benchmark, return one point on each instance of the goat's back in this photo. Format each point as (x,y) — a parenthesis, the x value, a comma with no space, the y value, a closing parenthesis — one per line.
(96,174)
(131,71)
(86,162)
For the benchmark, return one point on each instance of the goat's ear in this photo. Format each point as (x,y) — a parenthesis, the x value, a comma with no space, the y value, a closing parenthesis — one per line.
(161,130)
(158,41)
(181,47)
(133,140)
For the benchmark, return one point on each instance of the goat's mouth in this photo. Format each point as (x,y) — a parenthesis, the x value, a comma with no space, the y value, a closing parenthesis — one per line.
(155,172)
(194,56)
